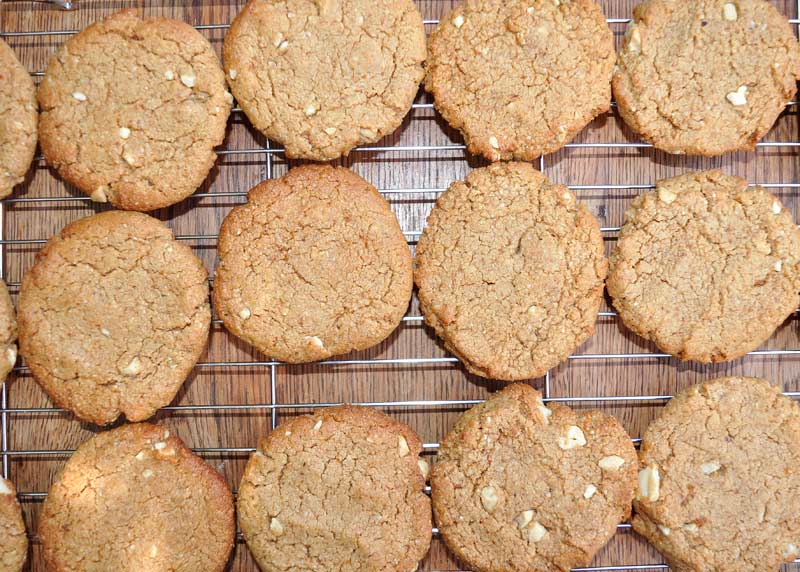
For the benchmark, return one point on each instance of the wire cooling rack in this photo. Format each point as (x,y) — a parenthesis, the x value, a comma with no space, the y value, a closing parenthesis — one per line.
(236,395)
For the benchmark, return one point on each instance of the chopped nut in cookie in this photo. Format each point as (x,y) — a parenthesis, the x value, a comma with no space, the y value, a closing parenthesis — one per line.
(611,463)
(574,438)
(649,483)
(402,446)
(589,491)
(710,467)
(738,97)
(489,498)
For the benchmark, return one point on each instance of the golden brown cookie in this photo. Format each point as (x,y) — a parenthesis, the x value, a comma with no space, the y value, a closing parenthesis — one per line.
(322,76)
(136,498)
(314,265)
(518,486)
(113,316)
(340,490)
(708,76)
(719,487)
(18,119)
(520,78)
(706,267)
(132,110)
(13,539)
(8,333)
(510,271)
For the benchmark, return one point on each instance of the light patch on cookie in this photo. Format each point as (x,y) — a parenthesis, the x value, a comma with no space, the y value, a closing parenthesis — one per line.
(276,527)
(153,551)
(330,130)
(147,473)
(649,483)
(536,532)
(80,96)
(530,10)
(523,519)
(244,313)
(729,12)
(129,158)
(367,133)
(317,425)
(424,468)
(738,97)
(316,342)
(402,446)
(776,207)
(99,195)
(4,488)
(710,467)
(543,409)
(133,368)
(589,491)
(288,433)
(611,463)
(232,73)
(310,110)
(188,79)
(458,21)
(124,132)
(489,498)
(690,527)
(778,266)
(791,551)
(574,438)
(278,40)
(666,196)
(284,46)
(664,530)
(140,456)
(159,445)
(11,355)
(105,332)
(493,142)
(169,75)
(635,43)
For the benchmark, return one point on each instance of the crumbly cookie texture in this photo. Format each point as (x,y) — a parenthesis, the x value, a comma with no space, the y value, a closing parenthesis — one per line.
(521,78)
(510,271)
(518,486)
(18,120)
(314,265)
(339,490)
(706,267)
(8,333)
(136,498)
(13,539)
(322,76)
(113,316)
(132,110)
(719,482)
(706,77)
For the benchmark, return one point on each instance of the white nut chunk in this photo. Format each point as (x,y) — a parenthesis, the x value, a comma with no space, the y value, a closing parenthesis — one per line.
(524,518)
(649,483)
(738,97)
(544,410)
(536,532)
(402,446)
(729,12)
(99,195)
(635,43)
(244,313)
(666,196)
(458,21)
(424,468)
(573,438)
(133,368)
(710,467)
(611,463)
(276,527)
(80,96)
(188,79)
(317,425)
(589,492)
(489,498)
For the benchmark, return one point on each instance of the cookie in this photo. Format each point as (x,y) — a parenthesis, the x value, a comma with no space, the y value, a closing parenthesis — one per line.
(13,539)
(340,490)
(706,267)
(705,77)
(520,78)
(8,333)
(136,498)
(719,482)
(510,271)
(18,119)
(314,265)
(323,76)
(518,486)
(113,316)
(132,110)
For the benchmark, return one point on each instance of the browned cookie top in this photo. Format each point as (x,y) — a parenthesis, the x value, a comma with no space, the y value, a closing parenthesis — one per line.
(720,479)
(510,271)
(8,333)
(113,316)
(18,120)
(136,498)
(708,76)
(322,76)
(132,110)
(13,539)
(314,265)
(340,490)
(706,267)
(519,78)
(518,486)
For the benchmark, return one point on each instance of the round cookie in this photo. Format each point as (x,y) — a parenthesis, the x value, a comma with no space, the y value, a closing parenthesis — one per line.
(520,78)
(132,110)
(340,490)
(510,271)
(8,333)
(323,76)
(518,486)
(706,267)
(719,482)
(18,119)
(13,538)
(136,498)
(705,77)
(314,265)
(113,316)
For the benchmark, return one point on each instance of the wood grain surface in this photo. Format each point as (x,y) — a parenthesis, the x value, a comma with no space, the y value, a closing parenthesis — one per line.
(252,395)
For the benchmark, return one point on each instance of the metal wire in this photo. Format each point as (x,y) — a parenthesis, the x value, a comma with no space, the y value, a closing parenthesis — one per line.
(274,407)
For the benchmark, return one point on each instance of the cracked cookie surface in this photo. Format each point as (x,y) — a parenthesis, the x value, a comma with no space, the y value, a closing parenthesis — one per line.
(520,79)
(510,271)
(8,333)
(132,110)
(706,267)
(323,76)
(314,265)
(18,120)
(13,538)
(518,486)
(136,498)
(113,316)
(706,77)
(339,490)
(719,482)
